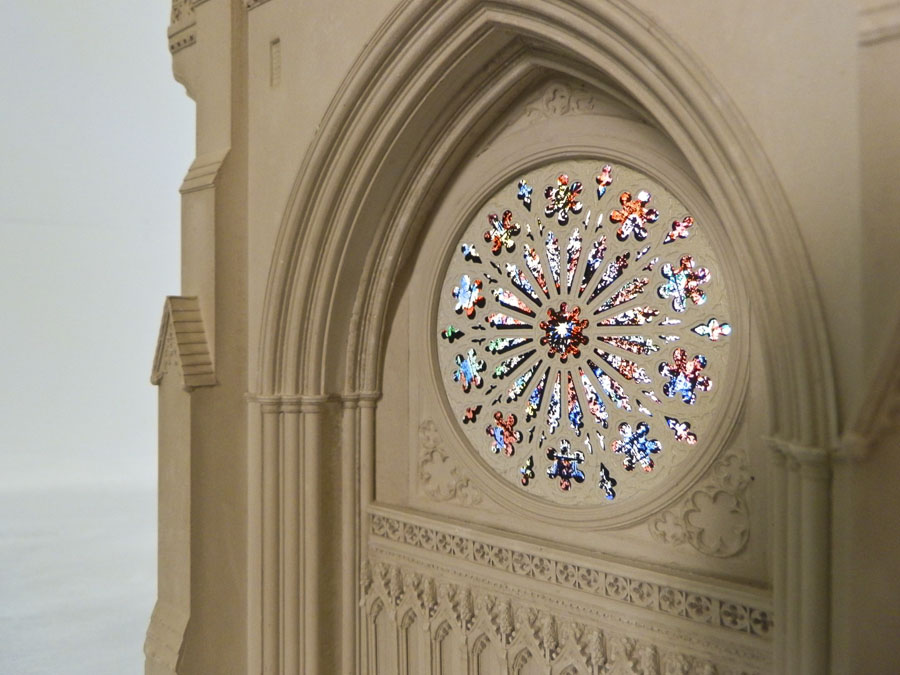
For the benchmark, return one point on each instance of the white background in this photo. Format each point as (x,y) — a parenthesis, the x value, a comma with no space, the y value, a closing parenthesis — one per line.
(96,137)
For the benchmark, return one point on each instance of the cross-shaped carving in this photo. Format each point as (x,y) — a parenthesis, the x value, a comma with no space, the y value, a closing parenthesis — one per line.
(565,465)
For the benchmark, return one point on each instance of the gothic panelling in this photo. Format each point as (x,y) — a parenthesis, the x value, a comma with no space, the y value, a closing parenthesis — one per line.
(499,628)
(744,612)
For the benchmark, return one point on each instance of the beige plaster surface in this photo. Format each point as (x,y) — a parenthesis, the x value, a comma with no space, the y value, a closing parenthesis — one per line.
(286,570)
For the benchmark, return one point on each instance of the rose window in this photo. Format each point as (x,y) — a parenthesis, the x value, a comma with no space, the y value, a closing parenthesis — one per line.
(583,333)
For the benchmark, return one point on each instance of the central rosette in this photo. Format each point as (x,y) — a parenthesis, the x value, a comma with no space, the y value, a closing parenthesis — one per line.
(564,332)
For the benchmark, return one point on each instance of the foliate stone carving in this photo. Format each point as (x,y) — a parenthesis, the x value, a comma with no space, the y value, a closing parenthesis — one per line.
(715,518)
(723,612)
(561,99)
(439,476)
(521,633)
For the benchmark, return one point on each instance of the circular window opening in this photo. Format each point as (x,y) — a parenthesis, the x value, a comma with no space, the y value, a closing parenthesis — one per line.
(583,333)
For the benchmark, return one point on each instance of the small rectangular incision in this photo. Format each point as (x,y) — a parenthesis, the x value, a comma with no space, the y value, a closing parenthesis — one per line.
(275,62)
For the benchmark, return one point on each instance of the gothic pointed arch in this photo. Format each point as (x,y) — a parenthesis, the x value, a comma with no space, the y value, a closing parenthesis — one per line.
(417,100)
(428,96)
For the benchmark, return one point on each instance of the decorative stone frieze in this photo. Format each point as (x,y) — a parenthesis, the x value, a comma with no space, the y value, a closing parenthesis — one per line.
(406,604)
(594,579)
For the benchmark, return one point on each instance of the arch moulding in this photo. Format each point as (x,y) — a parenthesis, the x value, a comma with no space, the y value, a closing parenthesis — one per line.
(429,87)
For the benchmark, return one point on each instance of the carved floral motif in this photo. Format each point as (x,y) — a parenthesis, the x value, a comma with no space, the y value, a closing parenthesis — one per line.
(518,631)
(714,519)
(439,476)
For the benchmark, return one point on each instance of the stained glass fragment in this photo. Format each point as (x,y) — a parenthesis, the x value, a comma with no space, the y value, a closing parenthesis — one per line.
(626,293)
(563,199)
(509,299)
(682,431)
(684,376)
(565,465)
(469,253)
(533,263)
(510,364)
(625,367)
(636,344)
(595,257)
(651,395)
(468,295)
(552,246)
(467,370)
(636,316)
(713,330)
(519,281)
(554,408)
(679,230)
(537,395)
(635,446)
(471,414)
(576,418)
(500,345)
(500,320)
(650,265)
(607,483)
(612,272)
(573,253)
(501,233)
(604,180)
(523,193)
(521,382)
(595,405)
(683,283)
(503,434)
(610,387)
(527,470)
(450,333)
(634,215)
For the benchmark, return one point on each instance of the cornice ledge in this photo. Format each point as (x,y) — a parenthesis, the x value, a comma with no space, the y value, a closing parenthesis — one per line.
(204,171)
(306,402)
(181,37)
(879,24)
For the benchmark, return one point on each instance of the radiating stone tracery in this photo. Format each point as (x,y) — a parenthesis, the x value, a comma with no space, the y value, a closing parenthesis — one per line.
(574,332)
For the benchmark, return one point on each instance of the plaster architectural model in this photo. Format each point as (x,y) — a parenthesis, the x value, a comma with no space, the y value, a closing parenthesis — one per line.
(533,337)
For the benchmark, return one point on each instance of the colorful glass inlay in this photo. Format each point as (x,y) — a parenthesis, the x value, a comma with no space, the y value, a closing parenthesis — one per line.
(573,343)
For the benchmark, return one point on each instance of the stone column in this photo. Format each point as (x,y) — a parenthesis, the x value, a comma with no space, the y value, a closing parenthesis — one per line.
(801,502)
